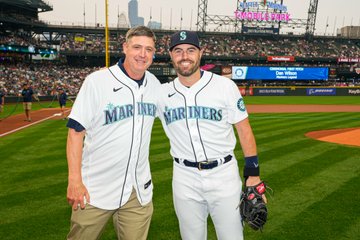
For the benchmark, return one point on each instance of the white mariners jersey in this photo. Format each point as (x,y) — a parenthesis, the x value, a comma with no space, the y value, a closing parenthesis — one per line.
(118,116)
(199,120)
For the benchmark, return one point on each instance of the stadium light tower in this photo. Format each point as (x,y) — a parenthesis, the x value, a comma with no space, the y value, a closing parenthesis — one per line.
(311,20)
(201,17)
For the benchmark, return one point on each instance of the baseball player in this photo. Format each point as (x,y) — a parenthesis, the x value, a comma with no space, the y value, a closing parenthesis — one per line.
(109,172)
(198,110)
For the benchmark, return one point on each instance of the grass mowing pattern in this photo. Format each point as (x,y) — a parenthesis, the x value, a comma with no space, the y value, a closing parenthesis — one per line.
(33,183)
(315,194)
(337,100)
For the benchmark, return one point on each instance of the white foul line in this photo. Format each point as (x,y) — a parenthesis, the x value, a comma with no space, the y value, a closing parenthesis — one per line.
(28,125)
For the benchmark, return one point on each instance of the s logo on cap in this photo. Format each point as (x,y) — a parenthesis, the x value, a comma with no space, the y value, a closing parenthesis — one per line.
(182,36)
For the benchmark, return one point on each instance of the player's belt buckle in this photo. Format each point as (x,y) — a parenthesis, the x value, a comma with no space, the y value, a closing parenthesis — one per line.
(207,165)
(200,165)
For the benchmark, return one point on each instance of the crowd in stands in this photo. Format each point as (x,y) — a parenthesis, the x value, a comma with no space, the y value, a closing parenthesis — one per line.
(218,45)
(20,39)
(44,78)
(214,45)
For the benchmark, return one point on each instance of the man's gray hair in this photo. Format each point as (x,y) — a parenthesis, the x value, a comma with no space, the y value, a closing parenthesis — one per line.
(140,31)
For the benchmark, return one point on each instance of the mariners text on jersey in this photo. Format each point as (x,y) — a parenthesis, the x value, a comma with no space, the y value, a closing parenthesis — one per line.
(192,112)
(118,113)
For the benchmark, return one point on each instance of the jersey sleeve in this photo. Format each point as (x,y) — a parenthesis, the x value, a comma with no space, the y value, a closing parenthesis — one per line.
(156,90)
(235,104)
(75,125)
(163,91)
(159,89)
(83,110)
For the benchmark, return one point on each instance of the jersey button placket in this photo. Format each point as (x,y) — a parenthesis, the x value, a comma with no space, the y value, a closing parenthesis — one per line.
(193,128)
(196,139)
(137,127)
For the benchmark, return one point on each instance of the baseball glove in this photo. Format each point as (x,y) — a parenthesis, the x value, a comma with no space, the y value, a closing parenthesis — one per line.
(253,209)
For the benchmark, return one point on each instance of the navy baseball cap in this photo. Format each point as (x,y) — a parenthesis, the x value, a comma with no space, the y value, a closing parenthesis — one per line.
(183,36)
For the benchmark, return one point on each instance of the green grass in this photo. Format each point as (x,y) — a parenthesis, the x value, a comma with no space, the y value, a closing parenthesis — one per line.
(315,183)
(12,108)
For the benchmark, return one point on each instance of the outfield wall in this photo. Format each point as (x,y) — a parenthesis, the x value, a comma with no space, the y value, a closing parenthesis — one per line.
(14,99)
(256,91)
(300,91)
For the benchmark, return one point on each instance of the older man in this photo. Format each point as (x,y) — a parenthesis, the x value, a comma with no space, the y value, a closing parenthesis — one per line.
(109,172)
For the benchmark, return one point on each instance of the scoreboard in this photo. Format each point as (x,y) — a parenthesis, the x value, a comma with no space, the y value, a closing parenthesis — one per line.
(279,73)
(162,70)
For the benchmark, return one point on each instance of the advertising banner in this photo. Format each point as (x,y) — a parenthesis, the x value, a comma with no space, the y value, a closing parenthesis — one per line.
(242,91)
(348,60)
(353,91)
(280,58)
(271,91)
(321,91)
(260,30)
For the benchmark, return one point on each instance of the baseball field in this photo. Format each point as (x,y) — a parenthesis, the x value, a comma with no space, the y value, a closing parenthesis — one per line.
(314,182)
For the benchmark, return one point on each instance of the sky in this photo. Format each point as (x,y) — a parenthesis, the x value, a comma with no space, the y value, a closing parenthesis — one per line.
(331,13)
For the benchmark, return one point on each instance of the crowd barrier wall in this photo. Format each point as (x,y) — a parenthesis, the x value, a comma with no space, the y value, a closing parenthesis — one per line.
(300,91)
(14,99)
(255,91)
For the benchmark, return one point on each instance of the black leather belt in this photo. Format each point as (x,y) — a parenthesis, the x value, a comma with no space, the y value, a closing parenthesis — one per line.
(205,164)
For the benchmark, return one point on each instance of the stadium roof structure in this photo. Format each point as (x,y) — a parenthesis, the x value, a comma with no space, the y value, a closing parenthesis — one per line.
(38,5)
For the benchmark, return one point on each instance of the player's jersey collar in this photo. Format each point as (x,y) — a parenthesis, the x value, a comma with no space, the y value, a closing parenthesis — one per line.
(125,79)
(121,66)
(204,80)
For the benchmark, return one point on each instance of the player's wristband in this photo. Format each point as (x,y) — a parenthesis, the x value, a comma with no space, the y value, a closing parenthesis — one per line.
(251,166)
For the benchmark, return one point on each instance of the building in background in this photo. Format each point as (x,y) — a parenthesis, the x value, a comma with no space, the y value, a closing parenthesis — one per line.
(154,25)
(122,21)
(134,18)
(350,31)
